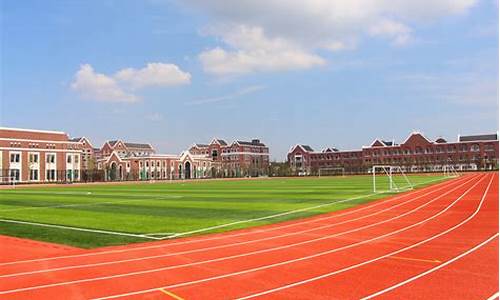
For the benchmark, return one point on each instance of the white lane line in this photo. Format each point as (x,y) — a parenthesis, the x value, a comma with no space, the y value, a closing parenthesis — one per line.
(301,259)
(431,270)
(255,231)
(78,229)
(494,296)
(79,266)
(242,255)
(268,217)
(377,258)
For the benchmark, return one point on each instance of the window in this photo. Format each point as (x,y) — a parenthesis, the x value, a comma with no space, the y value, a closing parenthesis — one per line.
(15,157)
(68,159)
(51,175)
(77,158)
(34,175)
(33,158)
(51,158)
(15,174)
(474,148)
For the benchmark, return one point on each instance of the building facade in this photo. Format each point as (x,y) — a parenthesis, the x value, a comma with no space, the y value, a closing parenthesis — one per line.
(28,155)
(120,160)
(240,158)
(416,154)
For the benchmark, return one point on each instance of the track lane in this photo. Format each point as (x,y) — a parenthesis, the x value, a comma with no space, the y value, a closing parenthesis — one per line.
(357,282)
(290,236)
(105,271)
(234,281)
(268,232)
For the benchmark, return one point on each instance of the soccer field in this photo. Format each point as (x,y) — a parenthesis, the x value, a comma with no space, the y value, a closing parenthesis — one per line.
(101,215)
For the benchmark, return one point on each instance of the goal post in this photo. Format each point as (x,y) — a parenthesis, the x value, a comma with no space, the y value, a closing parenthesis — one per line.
(391,173)
(334,171)
(450,171)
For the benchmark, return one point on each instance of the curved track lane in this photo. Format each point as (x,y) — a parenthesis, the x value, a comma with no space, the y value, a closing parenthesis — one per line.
(347,254)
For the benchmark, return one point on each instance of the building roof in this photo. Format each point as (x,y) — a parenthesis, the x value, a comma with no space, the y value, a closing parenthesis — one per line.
(138,145)
(222,142)
(112,143)
(200,145)
(441,140)
(330,149)
(252,143)
(480,137)
(307,148)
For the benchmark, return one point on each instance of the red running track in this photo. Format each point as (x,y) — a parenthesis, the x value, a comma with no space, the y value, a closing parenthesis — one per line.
(438,242)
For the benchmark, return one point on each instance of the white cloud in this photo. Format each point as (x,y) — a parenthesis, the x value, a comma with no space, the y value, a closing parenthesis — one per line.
(241,92)
(119,87)
(256,52)
(276,35)
(99,87)
(154,74)
(398,32)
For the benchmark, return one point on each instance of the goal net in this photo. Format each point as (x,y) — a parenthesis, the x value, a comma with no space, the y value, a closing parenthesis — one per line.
(387,178)
(449,171)
(337,171)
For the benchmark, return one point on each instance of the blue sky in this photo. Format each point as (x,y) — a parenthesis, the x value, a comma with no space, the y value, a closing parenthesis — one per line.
(326,73)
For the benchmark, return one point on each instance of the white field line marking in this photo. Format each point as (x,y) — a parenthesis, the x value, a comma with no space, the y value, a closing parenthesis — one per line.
(266,229)
(224,258)
(69,205)
(77,229)
(89,204)
(494,296)
(303,258)
(250,241)
(266,217)
(431,270)
(377,258)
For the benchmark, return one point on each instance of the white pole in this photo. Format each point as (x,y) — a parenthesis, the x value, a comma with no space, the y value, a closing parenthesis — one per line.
(390,179)
(373,179)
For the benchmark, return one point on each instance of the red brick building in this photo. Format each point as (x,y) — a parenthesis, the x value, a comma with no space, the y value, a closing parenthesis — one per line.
(416,154)
(28,155)
(240,158)
(139,161)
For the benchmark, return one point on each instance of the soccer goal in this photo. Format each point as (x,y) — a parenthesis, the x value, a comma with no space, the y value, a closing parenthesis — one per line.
(449,171)
(8,180)
(334,171)
(388,178)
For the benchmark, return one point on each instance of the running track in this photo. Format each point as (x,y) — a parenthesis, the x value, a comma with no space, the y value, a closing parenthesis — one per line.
(439,242)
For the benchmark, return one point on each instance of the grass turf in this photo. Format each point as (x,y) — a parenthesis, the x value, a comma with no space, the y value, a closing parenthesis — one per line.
(176,207)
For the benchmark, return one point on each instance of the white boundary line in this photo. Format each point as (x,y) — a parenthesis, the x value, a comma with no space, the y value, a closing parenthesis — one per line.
(245,254)
(93,203)
(276,215)
(431,270)
(380,257)
(78,229)
(374,204)
(250,241)
(494,296)
(301,259)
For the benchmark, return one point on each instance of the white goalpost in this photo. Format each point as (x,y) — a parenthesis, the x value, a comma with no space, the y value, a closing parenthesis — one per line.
(334,171)
(389,172)
(449,171)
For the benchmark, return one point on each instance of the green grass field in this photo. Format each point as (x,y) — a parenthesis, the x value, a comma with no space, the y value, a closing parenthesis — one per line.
(165,208)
